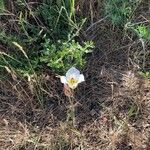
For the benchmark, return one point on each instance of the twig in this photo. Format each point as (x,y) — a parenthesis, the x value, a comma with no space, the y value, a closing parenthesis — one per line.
(144,51)
(95,23)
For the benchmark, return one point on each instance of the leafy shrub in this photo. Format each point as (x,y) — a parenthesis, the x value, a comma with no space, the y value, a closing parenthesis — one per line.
(62,56)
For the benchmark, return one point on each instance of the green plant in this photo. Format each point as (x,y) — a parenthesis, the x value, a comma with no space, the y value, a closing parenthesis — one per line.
(143,32)
(2,7)
(68,4)
(133,111)
(120,11)
(64,55)
(19,64)
(58,18)
(145,74)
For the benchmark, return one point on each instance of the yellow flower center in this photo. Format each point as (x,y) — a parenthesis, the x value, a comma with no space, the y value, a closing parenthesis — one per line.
(72,82)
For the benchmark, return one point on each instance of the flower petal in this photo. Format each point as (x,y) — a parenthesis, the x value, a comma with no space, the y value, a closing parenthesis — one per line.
(63,79)
(81,78)
(73,72)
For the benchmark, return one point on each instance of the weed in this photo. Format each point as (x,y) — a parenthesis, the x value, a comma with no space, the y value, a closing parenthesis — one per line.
(62,56)
(2,7)
(121,11)
(145,74)
(143,33)
(58,18)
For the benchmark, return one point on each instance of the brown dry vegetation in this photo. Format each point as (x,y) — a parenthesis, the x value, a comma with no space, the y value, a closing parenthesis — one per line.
(112,106)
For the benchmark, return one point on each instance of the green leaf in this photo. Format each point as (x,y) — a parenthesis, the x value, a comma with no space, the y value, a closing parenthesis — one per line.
(2,6)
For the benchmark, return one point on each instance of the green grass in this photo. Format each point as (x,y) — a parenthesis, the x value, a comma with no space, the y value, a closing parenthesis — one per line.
(2,6)
(121,11)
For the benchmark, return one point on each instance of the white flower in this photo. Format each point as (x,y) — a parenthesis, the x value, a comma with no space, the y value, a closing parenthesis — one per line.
(72,78)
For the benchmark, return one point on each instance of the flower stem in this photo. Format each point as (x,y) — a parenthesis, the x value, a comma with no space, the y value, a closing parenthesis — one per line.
(71,114)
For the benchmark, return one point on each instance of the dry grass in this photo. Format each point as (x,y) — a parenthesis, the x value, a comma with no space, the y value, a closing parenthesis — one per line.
(113,105)
(113,112)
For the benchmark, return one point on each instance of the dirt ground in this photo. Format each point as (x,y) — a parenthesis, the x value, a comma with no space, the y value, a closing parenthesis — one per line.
(112,105)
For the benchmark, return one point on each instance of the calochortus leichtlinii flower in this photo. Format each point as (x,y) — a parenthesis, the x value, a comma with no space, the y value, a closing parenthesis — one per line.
(72,78)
